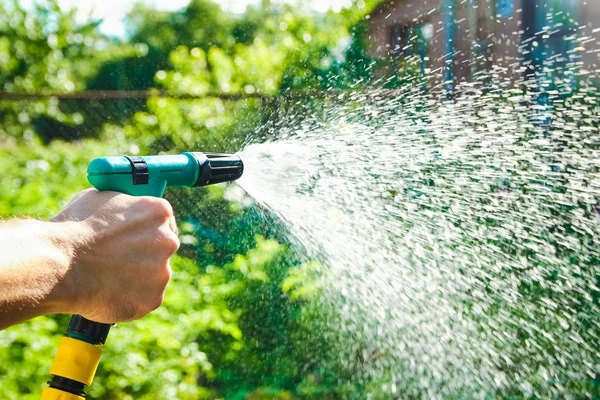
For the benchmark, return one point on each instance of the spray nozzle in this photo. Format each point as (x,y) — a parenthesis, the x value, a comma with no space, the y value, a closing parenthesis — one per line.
(217,168)
(150,175)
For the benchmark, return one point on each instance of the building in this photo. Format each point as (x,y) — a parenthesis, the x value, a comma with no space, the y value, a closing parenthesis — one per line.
(455,39)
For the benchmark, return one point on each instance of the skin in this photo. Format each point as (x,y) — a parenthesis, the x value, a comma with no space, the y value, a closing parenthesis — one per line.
(105,256)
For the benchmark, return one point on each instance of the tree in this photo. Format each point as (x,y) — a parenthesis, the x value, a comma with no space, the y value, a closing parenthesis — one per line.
(43,50)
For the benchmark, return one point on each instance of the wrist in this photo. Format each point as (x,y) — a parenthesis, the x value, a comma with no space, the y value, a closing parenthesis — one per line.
(66,238)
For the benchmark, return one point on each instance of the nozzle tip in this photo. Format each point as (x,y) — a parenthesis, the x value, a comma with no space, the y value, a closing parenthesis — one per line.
(217,168)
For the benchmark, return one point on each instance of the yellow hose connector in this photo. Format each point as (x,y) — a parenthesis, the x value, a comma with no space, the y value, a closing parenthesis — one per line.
(55,394)
(76,360)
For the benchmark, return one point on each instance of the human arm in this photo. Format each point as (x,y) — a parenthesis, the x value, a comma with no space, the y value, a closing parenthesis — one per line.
(105,256)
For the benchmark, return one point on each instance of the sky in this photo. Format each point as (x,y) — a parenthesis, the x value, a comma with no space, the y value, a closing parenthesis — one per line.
(113,11)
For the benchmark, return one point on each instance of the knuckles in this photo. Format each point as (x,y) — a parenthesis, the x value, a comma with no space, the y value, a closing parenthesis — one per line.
(160,208)
(140,307)
(164,275)
(130,314)
(164,242)
(139,303)
(172,244)
(155,302)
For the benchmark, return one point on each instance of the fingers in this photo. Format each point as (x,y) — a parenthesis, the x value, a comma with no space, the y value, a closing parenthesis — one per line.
(163,210)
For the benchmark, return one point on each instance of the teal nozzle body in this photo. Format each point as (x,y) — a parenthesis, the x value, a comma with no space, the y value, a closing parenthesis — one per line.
(150,175)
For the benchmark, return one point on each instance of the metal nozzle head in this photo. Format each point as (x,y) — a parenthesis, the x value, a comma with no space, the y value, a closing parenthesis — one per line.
(217,168)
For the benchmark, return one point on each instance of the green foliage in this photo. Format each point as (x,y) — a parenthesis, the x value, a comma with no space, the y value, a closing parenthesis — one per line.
(290,45)
(212,124)
(201,24)
(304,282)
(43,50)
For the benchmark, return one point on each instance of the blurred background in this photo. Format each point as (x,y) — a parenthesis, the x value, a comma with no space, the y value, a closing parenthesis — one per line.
(241,320)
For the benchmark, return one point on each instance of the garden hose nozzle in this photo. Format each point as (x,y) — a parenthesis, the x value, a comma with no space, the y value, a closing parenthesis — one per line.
(79,352)
(149,176)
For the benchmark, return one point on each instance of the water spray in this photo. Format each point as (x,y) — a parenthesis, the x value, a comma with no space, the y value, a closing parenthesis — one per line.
(79,353)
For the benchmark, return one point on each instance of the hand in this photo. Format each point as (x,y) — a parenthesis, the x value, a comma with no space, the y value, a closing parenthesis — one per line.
(120,258)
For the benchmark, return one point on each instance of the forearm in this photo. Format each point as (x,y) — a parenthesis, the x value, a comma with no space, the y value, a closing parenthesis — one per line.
(34,258)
